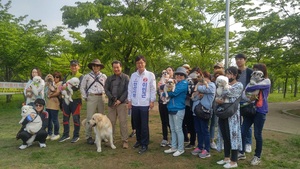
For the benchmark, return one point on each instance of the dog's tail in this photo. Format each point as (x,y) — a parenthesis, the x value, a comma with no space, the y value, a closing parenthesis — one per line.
(83,122)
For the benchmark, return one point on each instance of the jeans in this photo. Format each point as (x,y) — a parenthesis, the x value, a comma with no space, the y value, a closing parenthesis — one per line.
(53,121)
(201,128)
(140,116)
(258,120)
(176,130)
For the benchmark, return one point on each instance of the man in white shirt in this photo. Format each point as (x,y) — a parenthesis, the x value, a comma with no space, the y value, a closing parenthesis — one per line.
(141,97)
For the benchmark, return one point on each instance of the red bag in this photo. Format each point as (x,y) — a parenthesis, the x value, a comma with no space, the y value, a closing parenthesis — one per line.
(259,102)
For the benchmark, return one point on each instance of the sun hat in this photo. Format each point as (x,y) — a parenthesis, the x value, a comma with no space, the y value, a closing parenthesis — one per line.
(74,62)
(95,62)
(181,70)
(219,64)
(187,66)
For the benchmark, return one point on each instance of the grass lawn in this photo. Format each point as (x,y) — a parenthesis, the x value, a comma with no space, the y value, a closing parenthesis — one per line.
(280,150)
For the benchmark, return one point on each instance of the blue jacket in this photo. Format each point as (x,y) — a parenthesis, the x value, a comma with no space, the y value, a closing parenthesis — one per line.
(177,98)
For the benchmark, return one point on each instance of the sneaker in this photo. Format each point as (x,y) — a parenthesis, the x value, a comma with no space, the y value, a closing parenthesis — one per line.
(90,141)
(255,160)
(213,145)
(222,162)
(248,148)
(23,146)
(189,146)
(178,153)
(196,151)
(48,137)
(74,139)
(42,145)
(164,143)
(186,140)
(241,156)
(204,154)
(55,137)
(132,134)
(229,165)
(64,138)
(171,150)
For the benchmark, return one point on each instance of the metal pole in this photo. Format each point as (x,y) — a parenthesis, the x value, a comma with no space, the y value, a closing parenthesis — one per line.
(227,33)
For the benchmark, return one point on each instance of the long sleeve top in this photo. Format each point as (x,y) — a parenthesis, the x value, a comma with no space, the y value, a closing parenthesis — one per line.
(208,96)
(142,88)
(177,98)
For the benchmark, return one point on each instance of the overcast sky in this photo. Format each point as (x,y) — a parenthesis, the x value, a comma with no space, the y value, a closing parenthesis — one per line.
(48,11)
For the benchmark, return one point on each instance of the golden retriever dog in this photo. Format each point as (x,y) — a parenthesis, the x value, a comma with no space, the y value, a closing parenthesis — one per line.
(102,128)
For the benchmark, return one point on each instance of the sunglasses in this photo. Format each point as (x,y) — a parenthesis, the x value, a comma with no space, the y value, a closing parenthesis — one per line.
(56,77)
(39,105)
(179,74)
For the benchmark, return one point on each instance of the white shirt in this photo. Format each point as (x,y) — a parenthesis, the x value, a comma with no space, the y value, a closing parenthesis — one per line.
(142,88)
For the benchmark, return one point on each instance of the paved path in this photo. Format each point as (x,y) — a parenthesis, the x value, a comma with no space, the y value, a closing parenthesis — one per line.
(279,121)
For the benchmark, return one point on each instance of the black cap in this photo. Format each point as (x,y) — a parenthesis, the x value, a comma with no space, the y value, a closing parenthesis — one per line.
(74,62)
(39,101)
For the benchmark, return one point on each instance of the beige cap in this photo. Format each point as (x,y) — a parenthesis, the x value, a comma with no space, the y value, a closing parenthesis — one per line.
(186,66)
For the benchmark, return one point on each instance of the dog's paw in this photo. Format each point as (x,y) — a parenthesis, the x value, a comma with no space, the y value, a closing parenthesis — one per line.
(99,150)
(113,146)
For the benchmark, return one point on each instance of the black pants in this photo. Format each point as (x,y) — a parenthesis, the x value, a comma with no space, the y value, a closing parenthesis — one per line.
(141,121)
(188,125)
(164,117)
(224,127)
(40,136)
(74,109)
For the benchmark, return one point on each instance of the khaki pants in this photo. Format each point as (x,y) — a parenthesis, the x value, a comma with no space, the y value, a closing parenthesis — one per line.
(120,112)
(93,103)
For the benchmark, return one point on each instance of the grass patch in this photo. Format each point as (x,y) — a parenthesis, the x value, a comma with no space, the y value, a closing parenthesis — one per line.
(279,151)
(278,97)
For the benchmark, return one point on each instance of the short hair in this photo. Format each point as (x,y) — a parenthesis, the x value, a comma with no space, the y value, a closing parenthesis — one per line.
(233,70)
(116,62)
(57,74)
(40,101)
(140,57)
(262,67)
(240,56)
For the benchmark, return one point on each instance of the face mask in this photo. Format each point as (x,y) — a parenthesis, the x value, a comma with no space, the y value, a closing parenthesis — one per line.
(230,80)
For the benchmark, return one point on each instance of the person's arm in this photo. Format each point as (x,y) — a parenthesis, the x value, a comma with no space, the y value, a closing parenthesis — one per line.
(124,94)
(83,87)
(152,91)
(45,119)
(182,87)
(265,84)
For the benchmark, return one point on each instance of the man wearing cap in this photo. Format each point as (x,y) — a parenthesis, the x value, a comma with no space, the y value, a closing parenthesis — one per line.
(141,98)
(92,90)
(187,67)
(74,107)
(116,89)
(245,75)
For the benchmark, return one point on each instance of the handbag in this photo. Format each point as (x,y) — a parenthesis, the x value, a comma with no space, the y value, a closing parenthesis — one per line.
(202,112)
(247,110)
(226,110)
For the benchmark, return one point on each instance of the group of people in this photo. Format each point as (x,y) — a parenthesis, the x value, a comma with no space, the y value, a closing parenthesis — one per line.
(196,87)
(138,92)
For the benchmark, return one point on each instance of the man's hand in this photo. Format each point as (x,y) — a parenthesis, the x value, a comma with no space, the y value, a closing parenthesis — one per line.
(151,105)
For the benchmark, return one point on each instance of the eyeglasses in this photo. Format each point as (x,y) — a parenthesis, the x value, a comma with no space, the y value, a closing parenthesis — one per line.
(39,105)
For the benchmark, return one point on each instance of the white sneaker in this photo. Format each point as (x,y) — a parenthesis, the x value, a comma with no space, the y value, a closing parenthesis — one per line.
(222,162)
(228,165)
(171,150)
(255,161)
(48,137)
(42,145)
(178,153)
(213,145)
(55,137)
(248,148)
(22,147)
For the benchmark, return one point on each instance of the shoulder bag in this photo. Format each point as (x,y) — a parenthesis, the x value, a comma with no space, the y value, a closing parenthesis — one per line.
(202,112)
(226,110)
(247,110)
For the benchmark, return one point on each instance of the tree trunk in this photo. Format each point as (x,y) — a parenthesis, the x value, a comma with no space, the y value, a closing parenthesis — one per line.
(296,87)
(285,86)
(8,98)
